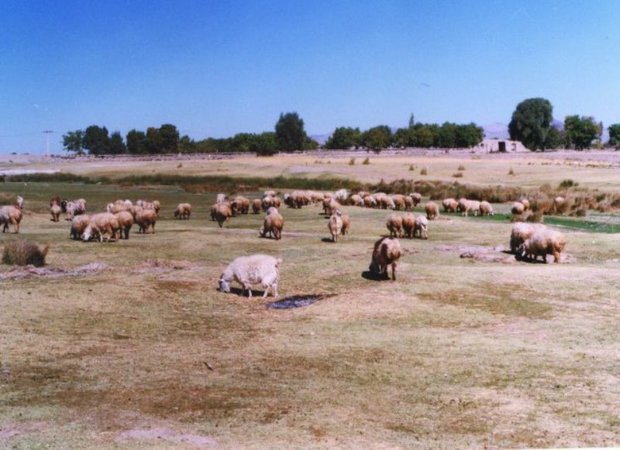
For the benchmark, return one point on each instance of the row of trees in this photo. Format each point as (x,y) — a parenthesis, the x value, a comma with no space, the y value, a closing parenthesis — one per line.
(532,123)
(448,135)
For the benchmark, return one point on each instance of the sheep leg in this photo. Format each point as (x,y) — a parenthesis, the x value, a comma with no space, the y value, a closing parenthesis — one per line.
(556,257)
(393,271)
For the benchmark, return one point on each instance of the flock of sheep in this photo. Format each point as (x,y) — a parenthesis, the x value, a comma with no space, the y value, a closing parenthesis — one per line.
(527,240)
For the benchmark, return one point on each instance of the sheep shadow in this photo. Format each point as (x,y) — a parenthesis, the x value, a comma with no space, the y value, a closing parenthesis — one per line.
(328,240)
(240,292)
(372,276)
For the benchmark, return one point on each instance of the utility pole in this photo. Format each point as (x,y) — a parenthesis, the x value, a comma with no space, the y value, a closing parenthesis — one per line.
(47,141)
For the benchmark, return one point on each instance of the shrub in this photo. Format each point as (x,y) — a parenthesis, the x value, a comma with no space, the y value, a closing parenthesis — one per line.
(366,162)
(457,174)
(411,168)
(22,253)
(567,183)
(511,172)
(352,162)
(461,167)
(423,171)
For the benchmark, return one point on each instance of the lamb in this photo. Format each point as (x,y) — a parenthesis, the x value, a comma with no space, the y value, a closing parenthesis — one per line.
(542,243)
(416,197)
(256,205)
(449,205)
(408,224)
(221,213)
(335,225)
(486,209)
(145,219)
(272,225)
(421,227)
(125,222)
(78,226)
(12,214)
(386,252)
(250,270)
(183,211)
(394,225)
(432,210)
(99,225)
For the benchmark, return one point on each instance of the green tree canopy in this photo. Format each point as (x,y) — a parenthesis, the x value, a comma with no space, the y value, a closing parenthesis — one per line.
(136,142)
(73,142)
(169,138)
(96,140)
(614,134)
(117,146)
(581,131)
(290,133)
(344,138)
(377,138)
(531,122)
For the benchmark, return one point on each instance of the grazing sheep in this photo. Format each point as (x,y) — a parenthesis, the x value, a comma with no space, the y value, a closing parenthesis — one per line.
(272,225)
(240,205)
(73,208)
(250,270)
(55,211)
(356,200)
(269,194)
(408,202)
(335,225)
(517,208)
(221,213)
(256,205)
(408,225)
(466,206)
(486,209)
(118,206)
(394,225)
(145,219)
(267,202)
(330,206)
(78,226)
(386,252)
(421,227)
(432,210)
(542,243)
(12,215)
(341,195)
(183,211)
(416,197)
(398,201)
(370,201)
(101,224)
(449,205)
(520,232)
(125,222)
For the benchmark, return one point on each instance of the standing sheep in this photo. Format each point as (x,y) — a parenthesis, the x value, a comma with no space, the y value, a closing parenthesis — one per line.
(221,212)
(486,209)
(101,224)
(408,224)
(78,226)
(542,243)
(335,225)
(125,222)
(517,208)
(386,252)
(432,210)
(272,225)
(520,232)
(250,270)
(145,219)
(416,197)
(12,215)
(346,224)
(421,227)
(183,211)
(394,225)
(256,205)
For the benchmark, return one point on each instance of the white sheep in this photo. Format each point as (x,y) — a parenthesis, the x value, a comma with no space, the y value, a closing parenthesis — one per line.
(421,227)
(101,224)
(542,243)
(335,225)
(250,270)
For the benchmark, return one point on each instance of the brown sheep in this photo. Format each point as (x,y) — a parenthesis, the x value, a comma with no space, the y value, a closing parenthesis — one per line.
(272,225)
(394,225)
(256,205)
(408,225)
(183,211)
(12,215)
(398,201)
(346,224)
(78,226)
(221,213)
(432,210)
(449,205)
(542,243)
(125,222)
(55,211)
(416,197)
(240,205)
(517,208)
(145,219)
(386,252)
(100,225)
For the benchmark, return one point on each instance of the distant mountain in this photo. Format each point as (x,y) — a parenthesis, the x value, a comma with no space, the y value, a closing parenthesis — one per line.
(320,138)
(496,130)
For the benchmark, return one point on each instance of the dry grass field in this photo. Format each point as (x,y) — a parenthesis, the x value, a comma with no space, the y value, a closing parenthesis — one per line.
(130,345)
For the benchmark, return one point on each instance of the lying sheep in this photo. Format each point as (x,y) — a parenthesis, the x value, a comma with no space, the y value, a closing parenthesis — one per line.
(408,225)
(542,243)
(335,225)
(221,212)
(250,270)
(486,209)
(183,211)
(386,252)
(421,227)
(272,225)
(145,219)
(125,222)
(432,210)
(449,205)
(394,225)
(100,225)
(78,226)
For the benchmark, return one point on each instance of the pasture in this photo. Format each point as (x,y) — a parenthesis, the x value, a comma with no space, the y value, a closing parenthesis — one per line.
(467,348)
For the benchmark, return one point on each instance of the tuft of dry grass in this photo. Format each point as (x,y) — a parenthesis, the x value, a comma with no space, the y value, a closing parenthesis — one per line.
(21,252)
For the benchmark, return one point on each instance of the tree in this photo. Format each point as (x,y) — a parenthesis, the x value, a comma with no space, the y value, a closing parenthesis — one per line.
(73,142)
(344,138)
(411,121)
(96,140)
(117,146)
(169,138)
(468,135)
(531,122)
(377,138)
(136,142)
(581,131)
(614,134)
(290,133)
(556,138)
(446,138)
(265,144)
(153,141)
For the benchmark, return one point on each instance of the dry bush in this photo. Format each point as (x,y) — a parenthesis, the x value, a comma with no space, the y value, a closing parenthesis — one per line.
(423,171)
(461,167)
(366,162)
(352,162)
(511,171)
(457,175)
(22,253)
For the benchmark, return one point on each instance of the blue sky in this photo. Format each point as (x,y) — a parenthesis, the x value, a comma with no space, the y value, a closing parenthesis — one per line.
(216,68)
